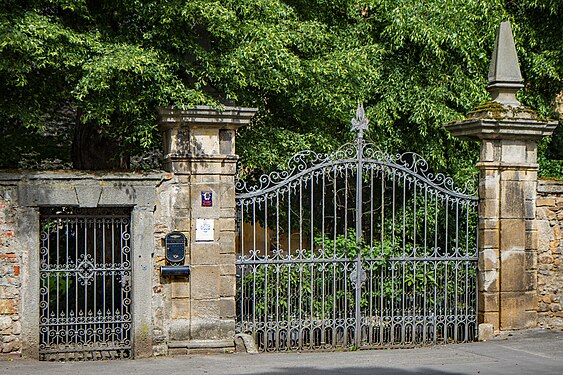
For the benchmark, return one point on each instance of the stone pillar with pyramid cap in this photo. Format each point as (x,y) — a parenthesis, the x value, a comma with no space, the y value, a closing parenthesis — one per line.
(508,133)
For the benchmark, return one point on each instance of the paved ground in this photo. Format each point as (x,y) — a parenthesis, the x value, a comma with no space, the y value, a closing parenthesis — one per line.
(531,352)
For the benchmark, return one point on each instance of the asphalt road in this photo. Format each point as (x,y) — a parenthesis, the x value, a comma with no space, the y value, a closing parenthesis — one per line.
(532,352)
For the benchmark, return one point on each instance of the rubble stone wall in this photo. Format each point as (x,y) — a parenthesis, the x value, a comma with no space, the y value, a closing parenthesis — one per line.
(549,216)
(10,268)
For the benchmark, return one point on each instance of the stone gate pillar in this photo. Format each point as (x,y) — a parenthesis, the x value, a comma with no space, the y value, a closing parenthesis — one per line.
(508,133)
(199,149)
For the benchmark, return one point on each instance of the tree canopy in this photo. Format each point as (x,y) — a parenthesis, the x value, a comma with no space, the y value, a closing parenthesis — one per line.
(415,64)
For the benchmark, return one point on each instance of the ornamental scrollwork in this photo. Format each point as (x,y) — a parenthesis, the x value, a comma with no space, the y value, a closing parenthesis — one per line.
(307,164)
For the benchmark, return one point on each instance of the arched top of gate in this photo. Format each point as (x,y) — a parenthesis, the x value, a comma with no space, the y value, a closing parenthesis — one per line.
(306,165)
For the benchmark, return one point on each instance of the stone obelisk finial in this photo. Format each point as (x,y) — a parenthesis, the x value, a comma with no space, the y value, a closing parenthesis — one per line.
(504,73)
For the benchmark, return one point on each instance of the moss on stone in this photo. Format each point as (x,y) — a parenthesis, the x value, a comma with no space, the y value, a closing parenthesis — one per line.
(497,111)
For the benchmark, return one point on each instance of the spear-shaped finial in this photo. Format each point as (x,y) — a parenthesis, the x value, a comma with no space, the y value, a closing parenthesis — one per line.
(505,78)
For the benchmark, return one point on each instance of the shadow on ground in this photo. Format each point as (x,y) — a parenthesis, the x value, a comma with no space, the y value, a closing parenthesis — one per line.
(353,371)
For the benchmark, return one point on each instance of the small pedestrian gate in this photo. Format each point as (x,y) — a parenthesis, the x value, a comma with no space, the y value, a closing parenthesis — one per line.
(356,249)
(85,284)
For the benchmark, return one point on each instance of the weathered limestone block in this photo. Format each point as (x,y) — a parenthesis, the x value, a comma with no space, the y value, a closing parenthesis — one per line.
(227,285)
(245,343)
(206,253)
(513,235)
(490,301)
(180,309)
(212,329)
(519,310)
(180,288)
(486,332)
(180,329)
(206,281)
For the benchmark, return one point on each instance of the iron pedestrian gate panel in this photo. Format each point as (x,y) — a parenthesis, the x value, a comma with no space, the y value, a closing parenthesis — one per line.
(85,284)
(356,249)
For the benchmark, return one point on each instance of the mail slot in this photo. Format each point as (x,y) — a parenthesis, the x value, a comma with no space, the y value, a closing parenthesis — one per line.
(175,244)
(175,270)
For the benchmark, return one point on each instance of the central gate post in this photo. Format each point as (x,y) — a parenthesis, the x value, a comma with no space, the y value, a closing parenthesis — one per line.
(360,123)
(508,133)
(199,148)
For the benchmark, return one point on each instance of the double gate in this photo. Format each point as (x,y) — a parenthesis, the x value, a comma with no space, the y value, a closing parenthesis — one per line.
(356,249)
(85,284)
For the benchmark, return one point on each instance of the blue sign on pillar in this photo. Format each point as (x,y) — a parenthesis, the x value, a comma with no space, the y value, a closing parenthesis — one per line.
(206,199)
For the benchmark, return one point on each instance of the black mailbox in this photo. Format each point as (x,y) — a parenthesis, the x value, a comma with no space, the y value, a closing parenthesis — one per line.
(175,244)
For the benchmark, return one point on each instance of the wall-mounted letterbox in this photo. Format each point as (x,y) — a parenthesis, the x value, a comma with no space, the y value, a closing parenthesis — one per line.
(175,245)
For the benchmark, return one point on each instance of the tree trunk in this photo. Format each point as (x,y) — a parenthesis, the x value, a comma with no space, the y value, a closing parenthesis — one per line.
(91,150)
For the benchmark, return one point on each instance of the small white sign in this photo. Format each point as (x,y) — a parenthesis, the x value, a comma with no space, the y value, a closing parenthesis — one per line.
(204,230)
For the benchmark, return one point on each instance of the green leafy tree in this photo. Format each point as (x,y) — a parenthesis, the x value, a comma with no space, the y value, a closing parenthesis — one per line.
(100,67)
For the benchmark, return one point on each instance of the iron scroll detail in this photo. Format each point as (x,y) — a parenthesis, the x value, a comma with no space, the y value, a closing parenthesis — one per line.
(308,162)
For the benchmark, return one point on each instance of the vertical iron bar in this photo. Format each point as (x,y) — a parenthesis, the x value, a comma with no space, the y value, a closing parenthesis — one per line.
(323,215)
(57,291)
(335,214)
(289,219)
(456,269)
(300,214)
(382,255)
(95,254)
(278,222)
(76,281)
(266,248)
(425,301)
(359,199)
(254,225)
(66,285)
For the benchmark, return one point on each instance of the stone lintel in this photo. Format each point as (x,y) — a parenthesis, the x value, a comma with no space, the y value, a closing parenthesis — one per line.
(502,128)
(141,177)
(88,192)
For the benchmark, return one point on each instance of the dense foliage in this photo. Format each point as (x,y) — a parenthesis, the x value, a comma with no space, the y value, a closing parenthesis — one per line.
(305,64)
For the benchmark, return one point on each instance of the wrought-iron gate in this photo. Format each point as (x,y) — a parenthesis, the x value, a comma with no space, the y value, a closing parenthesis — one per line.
(85,284)
(356,249)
